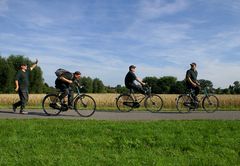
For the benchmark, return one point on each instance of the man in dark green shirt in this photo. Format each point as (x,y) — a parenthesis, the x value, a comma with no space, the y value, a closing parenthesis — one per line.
(191,80)
(22,84)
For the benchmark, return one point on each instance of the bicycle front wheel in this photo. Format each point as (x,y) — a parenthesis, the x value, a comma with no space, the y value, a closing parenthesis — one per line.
(85,105)
(183,103)
(125,103)
(153,103)
(51,104)
(210,103)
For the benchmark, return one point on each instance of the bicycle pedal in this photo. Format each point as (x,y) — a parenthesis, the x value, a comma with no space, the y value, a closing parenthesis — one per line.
(64,107)
(187,104)
(136,105)
(55,106)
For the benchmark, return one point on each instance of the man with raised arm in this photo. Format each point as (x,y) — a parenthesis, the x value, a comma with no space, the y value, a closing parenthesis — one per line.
(22,84)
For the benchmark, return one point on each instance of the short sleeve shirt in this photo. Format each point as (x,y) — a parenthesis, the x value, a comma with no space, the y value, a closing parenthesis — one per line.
(192,74)
(130,78)
(23,79)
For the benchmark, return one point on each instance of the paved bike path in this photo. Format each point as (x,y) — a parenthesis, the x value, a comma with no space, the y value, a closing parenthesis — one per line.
(134,115)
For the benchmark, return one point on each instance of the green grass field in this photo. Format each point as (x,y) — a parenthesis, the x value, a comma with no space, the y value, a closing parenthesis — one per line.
(73,142)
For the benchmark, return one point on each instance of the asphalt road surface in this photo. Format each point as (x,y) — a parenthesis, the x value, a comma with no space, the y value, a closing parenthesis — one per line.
(134,115)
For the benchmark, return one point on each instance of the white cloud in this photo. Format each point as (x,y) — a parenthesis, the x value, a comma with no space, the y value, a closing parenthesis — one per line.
(222,74)
(156,45)
(156,8)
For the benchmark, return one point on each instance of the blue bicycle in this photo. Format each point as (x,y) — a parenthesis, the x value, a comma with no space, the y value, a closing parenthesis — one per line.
(186,102)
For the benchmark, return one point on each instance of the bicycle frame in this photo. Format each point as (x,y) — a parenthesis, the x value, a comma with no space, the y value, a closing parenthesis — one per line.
(143,95)
(136,98)
(78,93)
(205,93)
(75,96)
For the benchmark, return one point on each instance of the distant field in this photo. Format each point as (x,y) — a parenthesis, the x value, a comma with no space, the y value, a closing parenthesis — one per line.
(107,101)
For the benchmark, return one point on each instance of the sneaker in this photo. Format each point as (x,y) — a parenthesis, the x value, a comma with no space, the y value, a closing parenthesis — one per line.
(70,106)
(14,108)
(64,107)
(58,105)
(23,112)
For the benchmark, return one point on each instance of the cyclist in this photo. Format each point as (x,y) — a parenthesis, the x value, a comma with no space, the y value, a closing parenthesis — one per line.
(64,82)
(191,80)
(131,77)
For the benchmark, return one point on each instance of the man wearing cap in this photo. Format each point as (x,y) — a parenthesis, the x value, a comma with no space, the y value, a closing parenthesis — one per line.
(131,77)
(22,84)
(64,82)
(191,80)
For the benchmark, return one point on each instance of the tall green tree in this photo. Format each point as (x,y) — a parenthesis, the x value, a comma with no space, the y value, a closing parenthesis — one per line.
(98,86)
(6,76)
(166,83)
(87,84)
(178,88)
(8,69)
(121,89)
(153,82)
(36,81)
(236,87)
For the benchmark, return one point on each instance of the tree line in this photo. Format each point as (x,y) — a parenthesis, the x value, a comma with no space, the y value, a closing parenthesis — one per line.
(10,65)
(162,85)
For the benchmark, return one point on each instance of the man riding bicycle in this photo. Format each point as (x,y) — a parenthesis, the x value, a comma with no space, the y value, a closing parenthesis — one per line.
(191,80)
(131,77)
(63,82)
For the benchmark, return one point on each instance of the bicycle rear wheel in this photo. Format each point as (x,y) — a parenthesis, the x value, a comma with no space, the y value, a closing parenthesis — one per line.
(51,104)
(210,103)
(85,105)
(184,103)
(125,103)
(153,103)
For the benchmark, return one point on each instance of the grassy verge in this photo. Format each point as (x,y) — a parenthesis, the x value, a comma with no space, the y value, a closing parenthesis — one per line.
(72,142)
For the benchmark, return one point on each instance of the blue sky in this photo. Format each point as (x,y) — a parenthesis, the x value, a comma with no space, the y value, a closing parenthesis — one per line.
(101,38)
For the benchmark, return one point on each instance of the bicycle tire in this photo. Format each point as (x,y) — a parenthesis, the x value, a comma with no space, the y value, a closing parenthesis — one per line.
(85,105)
(210,103)
(153,103)
(122,101)
(51,105)
(183,103)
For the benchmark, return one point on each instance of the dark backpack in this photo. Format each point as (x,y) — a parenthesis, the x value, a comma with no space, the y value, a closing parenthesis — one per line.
(62,72)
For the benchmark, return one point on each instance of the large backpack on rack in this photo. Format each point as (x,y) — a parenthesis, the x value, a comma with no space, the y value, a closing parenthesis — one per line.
(64,73)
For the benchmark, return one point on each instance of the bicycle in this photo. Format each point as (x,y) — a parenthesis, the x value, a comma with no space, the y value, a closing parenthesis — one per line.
(126,102)
(84,105)
(185,102)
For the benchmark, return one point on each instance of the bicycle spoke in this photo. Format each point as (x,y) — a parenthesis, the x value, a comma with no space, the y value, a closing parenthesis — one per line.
(51,104)
(210,103)
(153,103)
(125,103)
(183,103)
(85,105)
